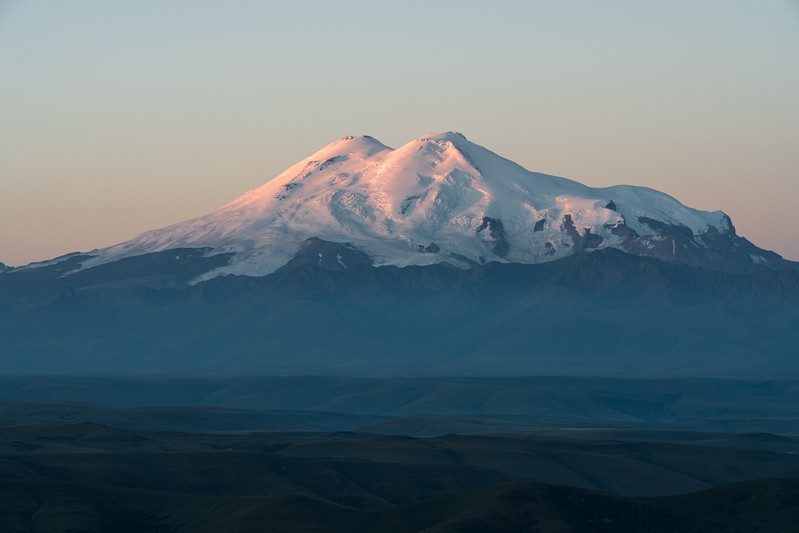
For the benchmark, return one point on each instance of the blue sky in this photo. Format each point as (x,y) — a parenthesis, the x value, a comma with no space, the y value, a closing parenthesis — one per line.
(118,117)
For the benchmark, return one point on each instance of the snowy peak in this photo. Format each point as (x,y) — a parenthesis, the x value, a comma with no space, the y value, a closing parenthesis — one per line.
(453,137)
(442,198)
(361,146)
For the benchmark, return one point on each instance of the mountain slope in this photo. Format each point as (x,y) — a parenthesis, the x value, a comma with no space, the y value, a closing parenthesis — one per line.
(604,313)
(442,198)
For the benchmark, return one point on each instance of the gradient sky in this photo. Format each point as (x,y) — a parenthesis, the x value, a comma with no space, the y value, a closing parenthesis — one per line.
(119,117)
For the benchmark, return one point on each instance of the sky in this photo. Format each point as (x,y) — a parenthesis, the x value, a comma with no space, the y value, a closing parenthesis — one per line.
(120,117)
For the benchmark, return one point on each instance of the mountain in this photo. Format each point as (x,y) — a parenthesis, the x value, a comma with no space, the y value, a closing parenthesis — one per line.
(438,258)
(442,199)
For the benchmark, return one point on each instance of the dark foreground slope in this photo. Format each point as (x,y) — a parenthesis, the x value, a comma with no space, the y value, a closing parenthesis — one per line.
(57,476)
(327,454)
(602,313)
(769,506)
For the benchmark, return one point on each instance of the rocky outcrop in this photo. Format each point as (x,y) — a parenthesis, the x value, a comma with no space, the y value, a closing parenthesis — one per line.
(712,249)
(327,256)
(496,231)
(582,242)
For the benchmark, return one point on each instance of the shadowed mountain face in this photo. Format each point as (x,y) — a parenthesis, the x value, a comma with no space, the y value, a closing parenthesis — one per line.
(600,313)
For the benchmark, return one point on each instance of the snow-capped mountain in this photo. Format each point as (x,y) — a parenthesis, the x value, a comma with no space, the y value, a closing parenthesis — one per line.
(508,272)
(441,198)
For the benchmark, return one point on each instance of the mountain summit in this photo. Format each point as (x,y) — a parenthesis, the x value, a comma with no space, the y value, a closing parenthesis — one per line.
(442,199)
